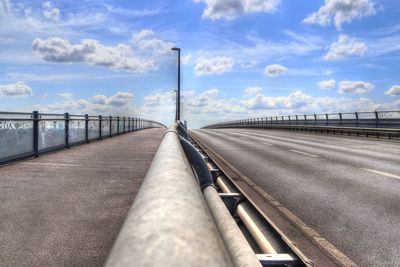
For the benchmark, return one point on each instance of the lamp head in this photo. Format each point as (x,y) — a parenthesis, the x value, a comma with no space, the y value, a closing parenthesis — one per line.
(175,48)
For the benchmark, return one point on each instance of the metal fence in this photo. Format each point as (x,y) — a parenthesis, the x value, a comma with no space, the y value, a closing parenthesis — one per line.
(375,119)
(30,134)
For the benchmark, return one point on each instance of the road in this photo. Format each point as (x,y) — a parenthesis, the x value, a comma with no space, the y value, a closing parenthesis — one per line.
(345,188)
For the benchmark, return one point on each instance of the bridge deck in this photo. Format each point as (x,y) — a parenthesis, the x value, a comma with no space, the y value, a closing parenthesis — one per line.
(66,208)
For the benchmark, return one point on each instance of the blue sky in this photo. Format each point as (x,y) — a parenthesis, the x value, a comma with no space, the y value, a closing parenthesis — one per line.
(241,58)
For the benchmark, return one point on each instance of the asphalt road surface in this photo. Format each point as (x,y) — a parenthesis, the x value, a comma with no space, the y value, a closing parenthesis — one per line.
(345,188)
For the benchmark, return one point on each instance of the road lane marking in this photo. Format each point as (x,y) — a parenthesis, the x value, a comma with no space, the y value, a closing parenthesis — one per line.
(381,173)
(267,144)
(304,153)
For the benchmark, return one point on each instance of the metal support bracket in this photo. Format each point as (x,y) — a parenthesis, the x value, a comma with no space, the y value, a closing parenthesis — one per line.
(231,200)
(276,259)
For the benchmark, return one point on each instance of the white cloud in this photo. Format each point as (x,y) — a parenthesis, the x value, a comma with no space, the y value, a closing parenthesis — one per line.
(230,9)
(145,40)
(394,90)
(295,100)
(355,87)
(209,107)
(275,70)
(345,47)
(186,59)
(16,89)
(120,57)
(51,13)
(119,99)
(341,11)
(250,91)
(117,104)
(135,13)
(213,65)
(327,84)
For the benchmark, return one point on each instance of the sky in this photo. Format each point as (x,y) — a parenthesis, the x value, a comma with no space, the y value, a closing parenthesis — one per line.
(240,58)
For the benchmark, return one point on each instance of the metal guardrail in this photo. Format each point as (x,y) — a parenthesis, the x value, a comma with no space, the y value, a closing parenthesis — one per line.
(180,219)
(376,123)
(169,223)
(30,134)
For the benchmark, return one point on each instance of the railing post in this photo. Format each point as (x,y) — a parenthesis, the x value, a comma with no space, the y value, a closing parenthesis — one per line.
(327,119)
(87,128)
(376,119)
(110,126)
(356,118)
(66,117)
(315,119)
(129,124)
(340,117)
(35,117)
(297,119)
(117,125)
(100,137)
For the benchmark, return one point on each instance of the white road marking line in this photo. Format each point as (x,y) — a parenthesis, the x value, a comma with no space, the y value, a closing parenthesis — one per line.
(381,173)
(304,153)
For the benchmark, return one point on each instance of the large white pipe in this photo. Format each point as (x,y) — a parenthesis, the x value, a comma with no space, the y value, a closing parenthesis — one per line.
(169,223)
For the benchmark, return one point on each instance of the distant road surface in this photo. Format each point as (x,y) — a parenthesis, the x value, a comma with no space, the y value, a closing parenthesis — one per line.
(345,188)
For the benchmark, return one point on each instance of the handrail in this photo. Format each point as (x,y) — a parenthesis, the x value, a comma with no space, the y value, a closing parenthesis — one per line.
(169,223)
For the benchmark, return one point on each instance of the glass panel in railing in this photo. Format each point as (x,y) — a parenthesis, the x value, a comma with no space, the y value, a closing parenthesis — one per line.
(127,124)
(366,115)
(114,126)
(334,116)
(16,136)
(310,117)
(105,127)
(349,116)
(93,127)
(121,125)
(389,114)
(51,131)
(77,129)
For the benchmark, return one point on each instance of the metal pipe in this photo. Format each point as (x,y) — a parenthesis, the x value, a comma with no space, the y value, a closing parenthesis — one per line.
(255,231)
(194,157)
(241,253)
(169,223)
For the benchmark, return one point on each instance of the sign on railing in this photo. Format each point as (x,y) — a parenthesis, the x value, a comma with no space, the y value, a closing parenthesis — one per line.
(29,134)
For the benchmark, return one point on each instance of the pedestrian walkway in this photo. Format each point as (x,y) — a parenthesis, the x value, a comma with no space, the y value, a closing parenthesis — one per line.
(66,208)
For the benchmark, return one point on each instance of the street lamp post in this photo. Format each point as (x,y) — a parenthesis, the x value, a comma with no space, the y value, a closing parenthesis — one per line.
(176,103)
(178,98)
